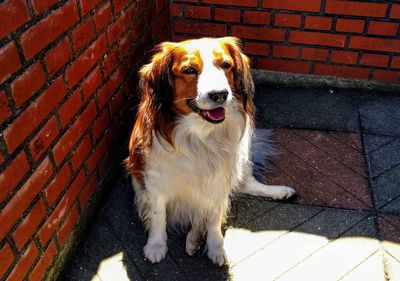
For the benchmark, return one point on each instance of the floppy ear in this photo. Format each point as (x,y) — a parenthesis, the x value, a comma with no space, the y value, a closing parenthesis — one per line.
(243,80)
(157,88)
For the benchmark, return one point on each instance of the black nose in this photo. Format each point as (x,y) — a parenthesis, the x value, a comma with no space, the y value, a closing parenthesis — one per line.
(218,96)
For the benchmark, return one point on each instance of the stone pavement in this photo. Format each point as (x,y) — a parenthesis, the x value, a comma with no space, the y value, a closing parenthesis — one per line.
(340,149)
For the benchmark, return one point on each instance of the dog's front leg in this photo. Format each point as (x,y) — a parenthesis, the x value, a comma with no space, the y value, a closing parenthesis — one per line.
(156,220)
(215,240)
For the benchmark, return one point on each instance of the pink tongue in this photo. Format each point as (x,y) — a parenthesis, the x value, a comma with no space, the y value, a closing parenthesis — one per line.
(216,114)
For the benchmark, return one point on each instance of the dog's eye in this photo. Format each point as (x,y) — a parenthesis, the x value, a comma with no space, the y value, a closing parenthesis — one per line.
(189,70)
(226,65)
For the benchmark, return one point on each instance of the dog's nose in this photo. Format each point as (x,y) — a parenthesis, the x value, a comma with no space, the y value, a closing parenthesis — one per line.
(218,96)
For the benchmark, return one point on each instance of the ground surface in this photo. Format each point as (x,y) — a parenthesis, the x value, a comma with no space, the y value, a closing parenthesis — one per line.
(339,149)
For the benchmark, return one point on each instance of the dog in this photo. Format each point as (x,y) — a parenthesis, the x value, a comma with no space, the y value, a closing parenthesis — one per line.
(190,147)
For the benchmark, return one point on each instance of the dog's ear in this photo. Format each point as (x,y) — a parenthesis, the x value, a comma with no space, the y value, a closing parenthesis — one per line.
(157,88)
(241,70)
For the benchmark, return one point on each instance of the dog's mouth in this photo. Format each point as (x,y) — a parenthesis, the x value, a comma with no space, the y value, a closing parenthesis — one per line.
(214,116)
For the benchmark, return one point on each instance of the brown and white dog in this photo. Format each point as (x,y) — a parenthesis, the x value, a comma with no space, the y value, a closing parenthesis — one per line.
(190,147)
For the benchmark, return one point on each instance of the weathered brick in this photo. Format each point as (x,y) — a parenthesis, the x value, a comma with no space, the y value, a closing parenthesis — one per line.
(287,20)
(256,48)
(87,5)
(81,153)
(58,56)
(24,197)
(354,8)
(28,83)
(293,5)
(6,259)
(109,88)
(41,142)
(83,34)
(375,60)
(48,29)
(13,174)
(58,184)
(70,108)
(5,111)
(375,44)
(285,52)
(318,23)
(13,14)
(67,226)
(386,76)
(283,65)
(92,82)
(197,12)
(24,263)
(101,124)
(45,261)
(382,28)
(28,226)
(341,71)
(201,28)
(350,25)
(314,54)
(317,38)
(260,33)
(88,191)
(119,5)
(227,15)
(110,62)
(9,61)
(395,12)
(103,16)
(396,62)
(344,57)
(17,131)
(42,5)
(255,17)
(242,3)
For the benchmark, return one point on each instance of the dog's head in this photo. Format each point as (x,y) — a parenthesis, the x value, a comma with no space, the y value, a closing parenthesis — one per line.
(204,76)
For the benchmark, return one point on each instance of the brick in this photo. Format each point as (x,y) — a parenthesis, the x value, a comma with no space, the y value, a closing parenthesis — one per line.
(101,124)
(197,12)
(110,62)
(9,61)
(101,148)
(13,174)
(116,102)
(6,259)
(259,33)
(5,111)
(125,46)
(42,5)
(255,17)
(38,110)
(386,76)
(176,10)
(28,83)
(341,71)
(62,208)
(396,62)
(201,28)
(83,34)
(293,5)
(85,61)
(48,29)
(287,20)
(28,226)
(103,17)
(314,54)
(344,57)
(162,23)
(92,82)
(13,14)
(76,130)
(353,8)
(43,264)
(283,65)
(395,12)
(374,60)
(41,142)
(256,48)
(382,28)
(58,184)
(24,263)
(241,3)
(227,15)
(109,88)
(105,164)
(119,5)
(24,197)
(58,56)
(81,153)
(116,30)
(289,52)
(350,25)
(88,191)
(317,38)
(67,226)
(318,23)
(70,108)
(375,44)
(87,5)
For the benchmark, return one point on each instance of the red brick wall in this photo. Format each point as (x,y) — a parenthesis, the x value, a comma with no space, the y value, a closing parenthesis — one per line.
(350,39)
(67,83)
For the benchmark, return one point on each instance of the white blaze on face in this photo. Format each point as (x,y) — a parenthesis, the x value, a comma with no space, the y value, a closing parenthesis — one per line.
(211,78)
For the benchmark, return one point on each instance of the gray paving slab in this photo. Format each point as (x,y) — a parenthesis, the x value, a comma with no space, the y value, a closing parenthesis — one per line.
(386,188)
(384,158)
(373,142)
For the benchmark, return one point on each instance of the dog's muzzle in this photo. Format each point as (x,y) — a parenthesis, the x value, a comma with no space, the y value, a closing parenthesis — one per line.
(214,116)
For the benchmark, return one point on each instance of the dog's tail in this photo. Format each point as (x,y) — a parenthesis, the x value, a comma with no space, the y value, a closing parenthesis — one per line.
(262,150)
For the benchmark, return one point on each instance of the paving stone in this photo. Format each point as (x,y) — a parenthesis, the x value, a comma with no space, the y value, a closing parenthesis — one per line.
(306,108)
(347,252)
(384,158)
(371,269)
(373,142)
(389,226)
(393,207)
(392,268)
(386,188)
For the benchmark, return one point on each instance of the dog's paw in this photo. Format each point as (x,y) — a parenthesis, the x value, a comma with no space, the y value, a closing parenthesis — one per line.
(192,244)
(155,252)
(217,256)
(284,192)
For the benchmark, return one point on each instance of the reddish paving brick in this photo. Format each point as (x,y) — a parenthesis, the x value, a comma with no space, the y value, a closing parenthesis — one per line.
(325,169)
(389,226)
